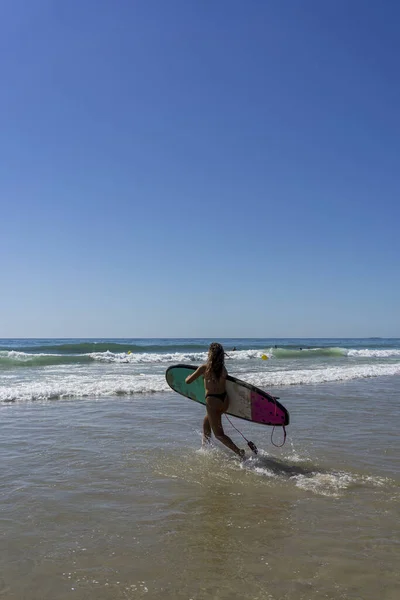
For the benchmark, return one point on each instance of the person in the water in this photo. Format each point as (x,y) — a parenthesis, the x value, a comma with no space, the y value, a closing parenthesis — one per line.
(217,400)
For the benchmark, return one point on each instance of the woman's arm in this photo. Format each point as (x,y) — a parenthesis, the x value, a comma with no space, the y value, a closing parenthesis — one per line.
(196,374)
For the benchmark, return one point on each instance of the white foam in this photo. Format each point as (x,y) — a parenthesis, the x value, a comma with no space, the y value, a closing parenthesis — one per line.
(148,357)
(247,354)
(65,381)
(374,353)
(333,484)
(322,375)
(264,471)
(324,484)
(165,357)
(83,386)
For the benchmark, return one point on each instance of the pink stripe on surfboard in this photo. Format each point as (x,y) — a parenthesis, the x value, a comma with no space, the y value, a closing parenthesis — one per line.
(265,411)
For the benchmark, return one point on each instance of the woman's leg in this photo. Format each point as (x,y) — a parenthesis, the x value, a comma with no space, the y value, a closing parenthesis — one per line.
(214,418)
(206,430)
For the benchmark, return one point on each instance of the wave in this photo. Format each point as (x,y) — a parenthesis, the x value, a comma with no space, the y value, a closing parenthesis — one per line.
(239,355)
(22,359)
(117,347)
(306,352)
(90,385)
(334,352)
(366,353)
(171,357)
(9,359)
(315,376)
(331,351)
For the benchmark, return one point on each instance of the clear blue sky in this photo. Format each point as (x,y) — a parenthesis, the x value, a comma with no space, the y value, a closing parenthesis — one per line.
(206,168)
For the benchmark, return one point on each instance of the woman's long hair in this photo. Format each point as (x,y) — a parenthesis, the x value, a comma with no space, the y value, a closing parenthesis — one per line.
(215,361)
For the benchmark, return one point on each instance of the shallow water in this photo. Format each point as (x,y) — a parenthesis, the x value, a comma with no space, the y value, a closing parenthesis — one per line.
(113,498)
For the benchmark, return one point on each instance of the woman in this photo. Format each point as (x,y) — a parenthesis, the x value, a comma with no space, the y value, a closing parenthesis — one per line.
(217,401)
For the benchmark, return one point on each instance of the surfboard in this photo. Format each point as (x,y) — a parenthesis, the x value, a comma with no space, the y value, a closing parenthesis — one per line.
(246,401)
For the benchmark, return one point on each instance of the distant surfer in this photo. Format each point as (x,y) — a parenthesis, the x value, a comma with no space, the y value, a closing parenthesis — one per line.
(234,349)
(217,401)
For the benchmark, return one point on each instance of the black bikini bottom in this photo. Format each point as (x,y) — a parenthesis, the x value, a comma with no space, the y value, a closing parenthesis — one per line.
(220,396)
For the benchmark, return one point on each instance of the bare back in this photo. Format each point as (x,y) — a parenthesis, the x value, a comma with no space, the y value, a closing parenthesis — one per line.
(214,385)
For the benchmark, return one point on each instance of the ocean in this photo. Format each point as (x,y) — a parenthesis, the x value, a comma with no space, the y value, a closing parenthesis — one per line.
(106,493)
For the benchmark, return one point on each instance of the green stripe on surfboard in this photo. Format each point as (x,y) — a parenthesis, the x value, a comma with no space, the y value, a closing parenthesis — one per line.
(176,380)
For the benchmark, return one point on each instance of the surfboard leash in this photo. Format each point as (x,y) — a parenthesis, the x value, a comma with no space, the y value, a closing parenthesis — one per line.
(250,444)
(284,429)
(284,438)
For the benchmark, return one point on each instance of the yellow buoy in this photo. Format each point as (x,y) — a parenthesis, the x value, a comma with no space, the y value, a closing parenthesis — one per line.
(264,357)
